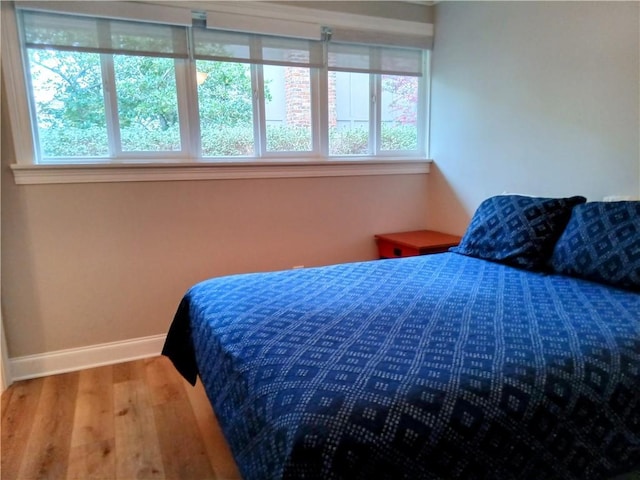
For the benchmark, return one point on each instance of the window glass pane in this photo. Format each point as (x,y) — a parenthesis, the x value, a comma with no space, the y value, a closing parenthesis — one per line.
(348,113)
(399,113)
(69,103)
(225,103)
(147,103)
(288,108)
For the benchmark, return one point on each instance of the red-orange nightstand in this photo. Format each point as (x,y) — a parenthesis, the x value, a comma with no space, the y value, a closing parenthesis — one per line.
(409,244)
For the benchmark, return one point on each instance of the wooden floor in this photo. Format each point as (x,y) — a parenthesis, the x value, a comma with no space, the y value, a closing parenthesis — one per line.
(133,420)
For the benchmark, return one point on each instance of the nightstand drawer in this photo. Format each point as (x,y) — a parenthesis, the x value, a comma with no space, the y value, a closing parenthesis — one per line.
(388,249)
(411,244)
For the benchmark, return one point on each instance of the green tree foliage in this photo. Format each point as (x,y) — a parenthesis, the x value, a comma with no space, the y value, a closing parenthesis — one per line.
(225,95)
(68,88)
(146,88)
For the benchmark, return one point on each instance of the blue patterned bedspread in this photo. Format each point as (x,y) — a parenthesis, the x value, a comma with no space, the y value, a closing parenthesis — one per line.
(433,367)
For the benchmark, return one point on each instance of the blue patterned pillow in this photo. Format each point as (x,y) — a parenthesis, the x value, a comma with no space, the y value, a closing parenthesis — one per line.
(517,230)
(602,243)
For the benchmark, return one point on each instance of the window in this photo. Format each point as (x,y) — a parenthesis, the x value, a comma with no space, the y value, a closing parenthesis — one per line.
(103,88)
(399,113)
(69,103)
(288,109)
(109,90)
(349,112)
(147,103)
(225,105)
(264,87)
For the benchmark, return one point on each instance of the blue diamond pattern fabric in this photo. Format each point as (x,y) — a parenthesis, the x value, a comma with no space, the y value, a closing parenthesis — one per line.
(432,367)
(602,243)
(517,230)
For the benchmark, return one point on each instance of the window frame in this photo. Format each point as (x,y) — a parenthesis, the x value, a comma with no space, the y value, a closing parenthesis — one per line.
(167,164)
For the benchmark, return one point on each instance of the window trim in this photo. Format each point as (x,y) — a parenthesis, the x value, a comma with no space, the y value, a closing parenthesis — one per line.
(25,174)
(157,168)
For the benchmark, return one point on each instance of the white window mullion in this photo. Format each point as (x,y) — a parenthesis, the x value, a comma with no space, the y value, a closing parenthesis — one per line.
(323,103)
(424,99)
(319,112)
(187,98)
(374,114)
(192,128)
(257,85)
(259,120)
(111,104)
(376,81)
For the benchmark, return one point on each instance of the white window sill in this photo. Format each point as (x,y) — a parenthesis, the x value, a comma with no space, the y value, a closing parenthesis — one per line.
(155,172)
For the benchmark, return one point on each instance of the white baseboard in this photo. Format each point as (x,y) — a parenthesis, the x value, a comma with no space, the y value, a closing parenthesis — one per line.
(73,359)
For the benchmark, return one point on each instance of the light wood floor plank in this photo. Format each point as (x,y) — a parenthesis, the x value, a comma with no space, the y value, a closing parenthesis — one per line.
(17,421)
(138,451)
(173,413)
(92,453)
(164,386)
(188,455)
(94,407)
(4,402)
(47,451)
(127,371)
(133,420)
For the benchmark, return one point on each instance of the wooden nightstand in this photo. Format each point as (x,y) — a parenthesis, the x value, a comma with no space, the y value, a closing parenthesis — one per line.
(410,244)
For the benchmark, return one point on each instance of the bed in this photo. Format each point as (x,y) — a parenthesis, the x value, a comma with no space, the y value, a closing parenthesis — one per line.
(443,366)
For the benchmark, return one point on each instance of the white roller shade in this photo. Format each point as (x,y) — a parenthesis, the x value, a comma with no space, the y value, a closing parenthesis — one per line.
(422,40)
(260,49)
(139,12)
(98,35)
(347,57)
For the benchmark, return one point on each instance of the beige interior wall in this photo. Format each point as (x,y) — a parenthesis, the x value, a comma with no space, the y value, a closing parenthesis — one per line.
(540,98)
(90,263)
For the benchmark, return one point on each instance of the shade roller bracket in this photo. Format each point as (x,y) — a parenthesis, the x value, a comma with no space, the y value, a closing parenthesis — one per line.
(326,34)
